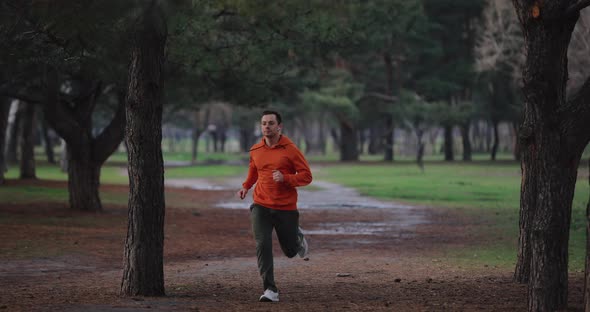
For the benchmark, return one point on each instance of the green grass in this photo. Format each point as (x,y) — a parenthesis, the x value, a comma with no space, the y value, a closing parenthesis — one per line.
(450,185)
(182,156)
(108,174)
(489,192)
(332,156)
(205,171)
(32,194)
(118,175)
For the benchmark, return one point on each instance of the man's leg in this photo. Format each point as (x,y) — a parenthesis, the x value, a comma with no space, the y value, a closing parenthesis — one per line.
(262,228)
(286,224)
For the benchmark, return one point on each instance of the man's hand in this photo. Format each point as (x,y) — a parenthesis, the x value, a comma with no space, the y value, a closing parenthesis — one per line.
(242,193)
(277,176)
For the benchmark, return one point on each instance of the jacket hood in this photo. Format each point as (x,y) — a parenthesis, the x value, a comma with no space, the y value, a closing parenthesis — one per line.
(283,142)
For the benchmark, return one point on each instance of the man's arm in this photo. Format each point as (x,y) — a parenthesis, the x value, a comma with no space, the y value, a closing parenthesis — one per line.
(302,176)
(250,179)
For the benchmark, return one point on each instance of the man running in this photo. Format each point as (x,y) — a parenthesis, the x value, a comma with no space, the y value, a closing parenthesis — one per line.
(277,167)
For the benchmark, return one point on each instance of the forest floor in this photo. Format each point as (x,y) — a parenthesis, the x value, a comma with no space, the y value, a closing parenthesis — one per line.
(362,259)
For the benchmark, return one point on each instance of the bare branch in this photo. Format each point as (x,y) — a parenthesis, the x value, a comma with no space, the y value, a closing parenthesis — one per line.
(577,7)
(577,54)
(500,41)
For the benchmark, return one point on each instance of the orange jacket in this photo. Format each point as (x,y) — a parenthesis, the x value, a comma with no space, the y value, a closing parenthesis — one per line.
(286,158)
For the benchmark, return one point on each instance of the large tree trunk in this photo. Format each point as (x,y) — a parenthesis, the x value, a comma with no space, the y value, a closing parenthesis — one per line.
(448,143)
(420,148)
(466,141)
(27,157)
(389,127)
(496,139)
(489,136)
(477,137)
(245,139)
(4,109)
(222,139)
(349,142)
(555,181)
(83,178)
(554,133)
(143,272)
(388,138)
(85,154)
(305,126)
(516,142)
(587,268)
(374,140)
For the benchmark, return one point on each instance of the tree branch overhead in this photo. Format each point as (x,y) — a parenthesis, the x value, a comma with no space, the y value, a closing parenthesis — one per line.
(577,6)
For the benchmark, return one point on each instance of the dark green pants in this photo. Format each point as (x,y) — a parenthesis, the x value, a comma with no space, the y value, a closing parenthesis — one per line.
(286,225)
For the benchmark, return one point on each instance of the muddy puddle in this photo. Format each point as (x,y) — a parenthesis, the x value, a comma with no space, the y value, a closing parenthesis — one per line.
(400,220)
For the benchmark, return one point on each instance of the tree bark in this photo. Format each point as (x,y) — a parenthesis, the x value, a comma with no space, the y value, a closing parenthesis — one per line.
(466,141)
(143,272)
(549,229)
(553,136)
(528,202)
(222,138)
(420,148)
(448,144)
(246,139)
(516,143)
(27,146)
(374,140)
(587,266)
(349,142)
(496,139)
(477,137)
(4,109)
(388,138)
(389,127)
(489,136)
(83,178)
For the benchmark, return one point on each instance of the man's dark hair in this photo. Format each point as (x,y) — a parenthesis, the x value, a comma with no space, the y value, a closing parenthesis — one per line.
(269,112)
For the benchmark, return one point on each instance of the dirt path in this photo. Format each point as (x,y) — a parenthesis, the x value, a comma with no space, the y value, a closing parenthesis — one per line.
(373,257)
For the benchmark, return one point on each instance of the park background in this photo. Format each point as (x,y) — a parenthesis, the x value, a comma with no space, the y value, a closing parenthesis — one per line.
(417,103)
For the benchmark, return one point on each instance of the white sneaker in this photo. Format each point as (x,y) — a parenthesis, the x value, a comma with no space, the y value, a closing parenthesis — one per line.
(303,247)
(269,296)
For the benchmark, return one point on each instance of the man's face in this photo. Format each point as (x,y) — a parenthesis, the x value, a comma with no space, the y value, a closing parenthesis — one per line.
(269,126)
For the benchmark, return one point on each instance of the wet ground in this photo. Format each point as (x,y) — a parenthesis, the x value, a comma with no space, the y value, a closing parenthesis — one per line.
(400,220)
(366,255)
